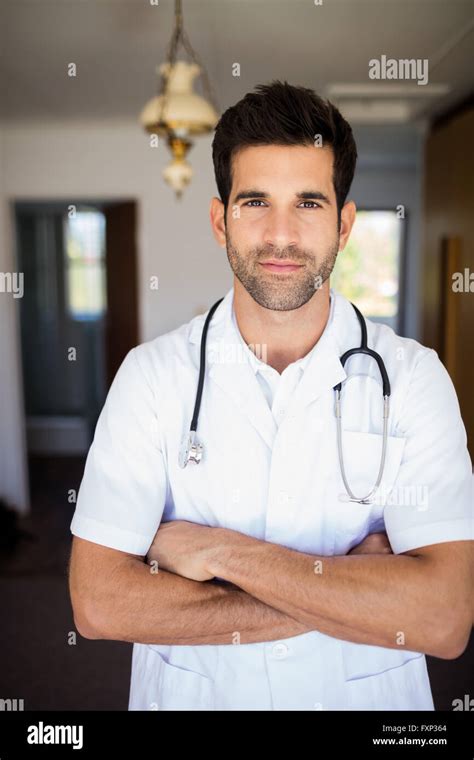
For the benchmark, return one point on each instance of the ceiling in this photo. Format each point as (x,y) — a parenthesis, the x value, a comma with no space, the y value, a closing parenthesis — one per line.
(116,45)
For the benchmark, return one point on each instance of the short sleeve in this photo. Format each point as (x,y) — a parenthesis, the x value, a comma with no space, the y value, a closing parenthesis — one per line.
(432,499)
(123,491)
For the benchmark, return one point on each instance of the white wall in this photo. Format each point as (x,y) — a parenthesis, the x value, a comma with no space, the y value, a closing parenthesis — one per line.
(103,160)
(107,160)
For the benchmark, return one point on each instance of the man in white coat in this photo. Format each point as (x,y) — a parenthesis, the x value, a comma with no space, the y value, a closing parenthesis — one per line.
(249,580)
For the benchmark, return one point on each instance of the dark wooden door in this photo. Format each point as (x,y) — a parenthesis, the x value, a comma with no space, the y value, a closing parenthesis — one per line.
(122,283)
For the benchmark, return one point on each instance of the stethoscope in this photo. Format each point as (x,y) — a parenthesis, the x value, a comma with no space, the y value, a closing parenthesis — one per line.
(192,449)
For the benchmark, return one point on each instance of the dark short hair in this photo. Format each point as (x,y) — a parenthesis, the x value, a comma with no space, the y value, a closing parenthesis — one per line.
(282,114)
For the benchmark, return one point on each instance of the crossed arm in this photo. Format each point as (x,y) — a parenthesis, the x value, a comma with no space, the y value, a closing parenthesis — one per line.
(420,600)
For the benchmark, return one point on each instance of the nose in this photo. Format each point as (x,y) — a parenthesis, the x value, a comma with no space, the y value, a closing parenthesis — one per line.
(280,230)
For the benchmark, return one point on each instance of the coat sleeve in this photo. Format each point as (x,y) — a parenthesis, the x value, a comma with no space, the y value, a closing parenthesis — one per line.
(123,491)
(432,501)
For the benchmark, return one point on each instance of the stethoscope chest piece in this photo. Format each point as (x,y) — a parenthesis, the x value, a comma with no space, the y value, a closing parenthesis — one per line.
(191,450)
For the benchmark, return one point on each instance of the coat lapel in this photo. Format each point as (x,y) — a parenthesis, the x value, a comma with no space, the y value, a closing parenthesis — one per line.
(324,369)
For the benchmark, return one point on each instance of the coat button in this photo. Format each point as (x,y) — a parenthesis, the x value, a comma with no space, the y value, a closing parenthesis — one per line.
(280,651)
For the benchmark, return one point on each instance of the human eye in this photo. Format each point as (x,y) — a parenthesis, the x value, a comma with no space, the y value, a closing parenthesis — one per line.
(254,200)
(314,204)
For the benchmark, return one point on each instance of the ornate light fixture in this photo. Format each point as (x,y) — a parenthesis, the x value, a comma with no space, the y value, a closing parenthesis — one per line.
(177,112)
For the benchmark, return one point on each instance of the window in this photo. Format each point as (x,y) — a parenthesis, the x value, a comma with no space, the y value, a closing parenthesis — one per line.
(368,271)
(84,238)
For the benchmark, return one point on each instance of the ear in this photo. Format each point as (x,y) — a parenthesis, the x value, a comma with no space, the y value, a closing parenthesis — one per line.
(217,216)
(348,215)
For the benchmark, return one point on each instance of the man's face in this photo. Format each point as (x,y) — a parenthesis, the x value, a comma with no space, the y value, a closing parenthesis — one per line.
(282,210)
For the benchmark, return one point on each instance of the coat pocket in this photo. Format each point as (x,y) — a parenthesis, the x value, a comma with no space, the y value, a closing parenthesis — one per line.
(361,452)
(377,678)
(180,689)
(362,660)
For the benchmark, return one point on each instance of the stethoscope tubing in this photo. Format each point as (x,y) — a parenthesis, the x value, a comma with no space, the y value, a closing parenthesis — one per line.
(193,450)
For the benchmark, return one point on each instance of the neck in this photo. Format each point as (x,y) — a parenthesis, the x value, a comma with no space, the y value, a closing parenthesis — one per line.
(285,335)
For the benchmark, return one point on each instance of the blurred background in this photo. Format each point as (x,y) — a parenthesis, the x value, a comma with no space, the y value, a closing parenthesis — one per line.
(114,253)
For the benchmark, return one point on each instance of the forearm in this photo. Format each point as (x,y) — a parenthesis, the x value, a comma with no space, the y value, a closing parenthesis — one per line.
(384,599)
(122,598)
(140,606)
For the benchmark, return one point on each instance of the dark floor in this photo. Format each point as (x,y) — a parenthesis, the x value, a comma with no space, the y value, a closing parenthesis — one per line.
(40,661)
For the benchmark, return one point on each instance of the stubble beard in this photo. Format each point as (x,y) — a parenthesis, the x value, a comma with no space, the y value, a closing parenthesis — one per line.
(281,292)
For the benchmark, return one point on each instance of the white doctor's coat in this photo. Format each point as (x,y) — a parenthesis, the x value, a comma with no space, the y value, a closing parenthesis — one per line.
(278,483)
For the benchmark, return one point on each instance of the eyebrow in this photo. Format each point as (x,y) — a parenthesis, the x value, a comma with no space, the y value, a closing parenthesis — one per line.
(305,195)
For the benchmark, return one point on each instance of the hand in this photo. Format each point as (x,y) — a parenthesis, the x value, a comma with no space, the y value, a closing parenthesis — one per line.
(181,547)
(374,543)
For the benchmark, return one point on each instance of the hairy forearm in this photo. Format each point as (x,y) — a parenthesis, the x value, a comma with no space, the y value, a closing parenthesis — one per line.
(181,548)
(135,604)
(139,606)
(389,600)
(120,597)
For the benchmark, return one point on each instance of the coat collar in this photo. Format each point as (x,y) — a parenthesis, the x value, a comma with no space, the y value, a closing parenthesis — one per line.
(227,364)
